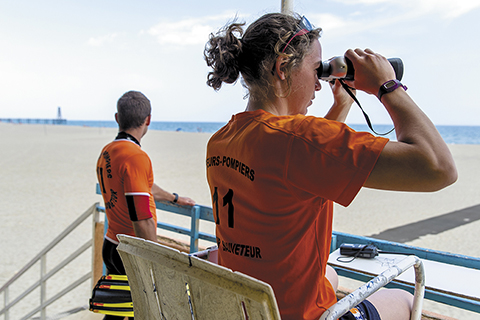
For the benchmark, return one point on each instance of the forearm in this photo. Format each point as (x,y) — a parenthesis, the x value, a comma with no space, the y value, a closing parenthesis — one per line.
(341,104)
(338,112)
(161,195)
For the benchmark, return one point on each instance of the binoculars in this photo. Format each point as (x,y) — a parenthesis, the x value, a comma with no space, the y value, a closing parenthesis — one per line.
(341,68)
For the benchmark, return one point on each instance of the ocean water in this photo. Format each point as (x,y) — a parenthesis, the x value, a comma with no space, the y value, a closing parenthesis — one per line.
(208,127)
(451,134)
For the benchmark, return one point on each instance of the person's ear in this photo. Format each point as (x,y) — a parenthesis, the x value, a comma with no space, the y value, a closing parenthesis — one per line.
(116,117)
(148,119)
(280,67)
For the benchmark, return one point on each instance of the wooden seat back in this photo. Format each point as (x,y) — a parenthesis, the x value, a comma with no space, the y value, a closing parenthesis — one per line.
(169,284)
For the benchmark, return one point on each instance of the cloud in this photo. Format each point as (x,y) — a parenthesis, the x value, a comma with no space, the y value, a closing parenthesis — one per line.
(445,8)
(339,26)
(190,31)
(366,15)
(331,21)
(101,40)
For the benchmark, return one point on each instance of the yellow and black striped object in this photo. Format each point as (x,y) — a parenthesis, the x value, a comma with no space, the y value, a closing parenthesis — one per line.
(111,296)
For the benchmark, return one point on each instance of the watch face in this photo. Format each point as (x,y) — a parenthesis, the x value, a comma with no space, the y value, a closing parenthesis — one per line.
(390,84)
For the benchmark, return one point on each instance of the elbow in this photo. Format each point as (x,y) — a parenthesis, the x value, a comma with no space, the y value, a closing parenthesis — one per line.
(444,175)
(451,175)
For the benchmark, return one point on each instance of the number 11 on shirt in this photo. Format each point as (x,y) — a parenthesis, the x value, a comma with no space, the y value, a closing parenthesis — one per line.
(227,201)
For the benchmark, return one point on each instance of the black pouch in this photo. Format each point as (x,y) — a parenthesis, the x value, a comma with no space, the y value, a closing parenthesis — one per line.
(112,296)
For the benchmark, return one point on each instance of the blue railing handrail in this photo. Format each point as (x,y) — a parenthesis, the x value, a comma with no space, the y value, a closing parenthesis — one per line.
(199,212)
(423,253)
(196,213)
(205,212)
(428,254)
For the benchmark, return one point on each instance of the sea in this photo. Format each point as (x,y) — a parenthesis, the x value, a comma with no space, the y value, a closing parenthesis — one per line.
(451,134)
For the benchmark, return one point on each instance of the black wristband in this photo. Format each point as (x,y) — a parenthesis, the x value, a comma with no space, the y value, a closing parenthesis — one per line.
(176,197)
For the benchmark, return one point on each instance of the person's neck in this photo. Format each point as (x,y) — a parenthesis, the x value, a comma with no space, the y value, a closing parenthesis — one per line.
(137,133)
(276,107)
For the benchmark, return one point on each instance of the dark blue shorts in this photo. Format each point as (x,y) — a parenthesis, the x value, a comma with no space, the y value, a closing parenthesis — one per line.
(362,311)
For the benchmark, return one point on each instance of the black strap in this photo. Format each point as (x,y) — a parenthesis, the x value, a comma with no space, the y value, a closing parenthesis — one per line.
(349,259)
(350,93)
(128,136)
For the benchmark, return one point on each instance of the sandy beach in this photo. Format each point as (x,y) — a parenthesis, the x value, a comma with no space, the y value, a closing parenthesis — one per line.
(47,179)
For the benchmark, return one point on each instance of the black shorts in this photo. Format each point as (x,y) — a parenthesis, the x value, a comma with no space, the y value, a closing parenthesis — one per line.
(114,265)
(112,259)
(365,310)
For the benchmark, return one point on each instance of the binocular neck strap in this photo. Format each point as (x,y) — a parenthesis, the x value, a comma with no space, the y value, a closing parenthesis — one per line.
(350,93)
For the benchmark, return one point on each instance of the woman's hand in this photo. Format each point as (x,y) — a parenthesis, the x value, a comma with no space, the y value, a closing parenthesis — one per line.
(371,70)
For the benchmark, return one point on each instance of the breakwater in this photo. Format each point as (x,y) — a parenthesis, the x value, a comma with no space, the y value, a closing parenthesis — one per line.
(34,121)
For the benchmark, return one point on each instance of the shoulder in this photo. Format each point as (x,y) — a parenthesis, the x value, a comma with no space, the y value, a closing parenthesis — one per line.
(309,129)
(328,136)
(127,153)
(138,156)
(305,127)
(261,119)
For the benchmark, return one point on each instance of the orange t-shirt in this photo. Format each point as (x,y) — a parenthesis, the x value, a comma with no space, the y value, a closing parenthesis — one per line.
(124,170)
(273,181)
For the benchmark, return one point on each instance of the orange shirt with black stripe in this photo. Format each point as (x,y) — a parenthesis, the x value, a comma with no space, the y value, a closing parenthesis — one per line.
(125,175)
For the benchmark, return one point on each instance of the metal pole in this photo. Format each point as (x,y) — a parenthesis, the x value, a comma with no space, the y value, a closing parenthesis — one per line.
(7,315)
(43,286)
(287,6)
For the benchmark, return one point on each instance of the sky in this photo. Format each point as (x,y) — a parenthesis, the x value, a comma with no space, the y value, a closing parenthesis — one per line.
(83,55)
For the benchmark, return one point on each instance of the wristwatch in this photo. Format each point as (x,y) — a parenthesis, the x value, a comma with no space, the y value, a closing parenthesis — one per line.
(389,86)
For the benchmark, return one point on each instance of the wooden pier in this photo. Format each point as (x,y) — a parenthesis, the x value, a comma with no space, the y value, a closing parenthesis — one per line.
(33,121)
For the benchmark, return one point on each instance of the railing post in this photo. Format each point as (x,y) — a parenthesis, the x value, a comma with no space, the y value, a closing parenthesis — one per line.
(333,243)
(6,300)
(97,246)
(105,229)
(43,286)
(45,274)
(195,216)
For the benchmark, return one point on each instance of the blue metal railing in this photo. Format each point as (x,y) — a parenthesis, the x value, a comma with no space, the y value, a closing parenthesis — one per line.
(198,212)
(433,255)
